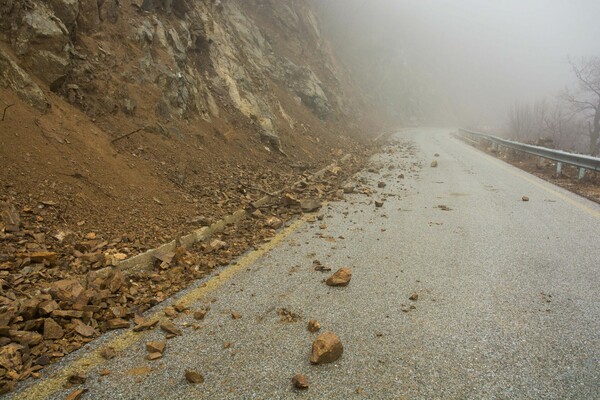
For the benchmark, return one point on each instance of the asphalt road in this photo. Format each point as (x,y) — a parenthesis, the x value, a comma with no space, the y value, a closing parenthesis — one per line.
(508,306)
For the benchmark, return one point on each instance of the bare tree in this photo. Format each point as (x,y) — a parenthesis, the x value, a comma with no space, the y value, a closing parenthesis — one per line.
(520,121)
(586,99)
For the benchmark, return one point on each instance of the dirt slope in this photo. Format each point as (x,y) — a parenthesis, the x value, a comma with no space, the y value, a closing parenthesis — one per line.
(127,123)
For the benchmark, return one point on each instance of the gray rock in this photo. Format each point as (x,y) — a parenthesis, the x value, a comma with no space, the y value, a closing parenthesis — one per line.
(65,10)
(12,76)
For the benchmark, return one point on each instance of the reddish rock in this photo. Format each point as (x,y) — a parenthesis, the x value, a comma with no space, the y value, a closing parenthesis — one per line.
(313,326)
(300,382)
(194,377)
(52,330)
(340,278)
(326,348)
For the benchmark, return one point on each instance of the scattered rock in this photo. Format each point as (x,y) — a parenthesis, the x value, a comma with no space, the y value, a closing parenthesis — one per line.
(156,347)
(310,205)
(381,184)
(287,315)
(436,155)
(340,278)
(326,348)
(170,328)
(349,189)
(434,164)
(76,395)
(104,372)
(236,315)
(66,290)
(414,297)
(274,222)
(117,323)
(200,314)
(145,325)
(300,382)
(525,198)
(52,330)
(313,325)
(194,377)
(153,356)
(108,353)
(77,379)
(170,312)
(444,207)
(378,203)
(84,330)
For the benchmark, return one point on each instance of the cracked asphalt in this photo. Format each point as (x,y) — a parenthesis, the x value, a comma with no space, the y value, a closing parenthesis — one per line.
(508,296)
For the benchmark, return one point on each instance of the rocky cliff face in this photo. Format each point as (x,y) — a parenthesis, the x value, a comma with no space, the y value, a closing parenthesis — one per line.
(164,64)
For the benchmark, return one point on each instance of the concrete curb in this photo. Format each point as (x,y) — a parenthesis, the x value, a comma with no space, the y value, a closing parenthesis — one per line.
(145,261)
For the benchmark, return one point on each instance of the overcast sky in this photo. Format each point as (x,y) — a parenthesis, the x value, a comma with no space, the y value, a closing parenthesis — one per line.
(490,53)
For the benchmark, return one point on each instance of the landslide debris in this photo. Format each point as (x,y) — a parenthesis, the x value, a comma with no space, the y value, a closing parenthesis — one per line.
(326,348)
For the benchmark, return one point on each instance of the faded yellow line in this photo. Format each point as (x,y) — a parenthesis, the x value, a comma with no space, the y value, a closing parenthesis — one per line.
(56,381)
(545,186)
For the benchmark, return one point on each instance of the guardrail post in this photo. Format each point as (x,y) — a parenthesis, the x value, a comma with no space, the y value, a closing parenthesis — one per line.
(581,174)
(558,169)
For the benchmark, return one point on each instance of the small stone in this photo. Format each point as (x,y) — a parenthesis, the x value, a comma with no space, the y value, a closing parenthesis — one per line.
(170,312)
(156,347)
(200,314)
(326,348)
(77,379)
(145,325)
(117,323)
(104,372)
(525,198)
(84,330)
(381,184)
(300,382)
(153,356)
(76,395)
(340,278)
(274,222)
(436,155)
(180,307)
(236,315)
(52,330)
(170,328)
(194,377)
(310,205)
(313,325)
(378,203)
(108,353)
(349,189)
(434,164)
(414,297)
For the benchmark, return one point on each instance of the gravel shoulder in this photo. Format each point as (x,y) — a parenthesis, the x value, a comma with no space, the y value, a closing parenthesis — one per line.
(507,301)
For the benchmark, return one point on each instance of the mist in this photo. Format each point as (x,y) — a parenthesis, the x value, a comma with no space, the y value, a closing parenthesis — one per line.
(464,61)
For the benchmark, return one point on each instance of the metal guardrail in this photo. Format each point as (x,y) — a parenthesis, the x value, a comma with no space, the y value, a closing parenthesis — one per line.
(562,157)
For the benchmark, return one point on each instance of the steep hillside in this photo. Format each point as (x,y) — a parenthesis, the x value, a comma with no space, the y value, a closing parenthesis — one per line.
(149,107)
(124,124)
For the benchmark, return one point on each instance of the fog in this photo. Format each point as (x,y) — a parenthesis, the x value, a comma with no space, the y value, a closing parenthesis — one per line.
(463,61)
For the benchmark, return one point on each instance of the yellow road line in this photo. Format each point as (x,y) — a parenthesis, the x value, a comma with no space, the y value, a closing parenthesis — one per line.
(53,383)
(545,185)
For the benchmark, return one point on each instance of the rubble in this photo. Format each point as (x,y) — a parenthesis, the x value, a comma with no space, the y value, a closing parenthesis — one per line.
(313,326)
(340,278)
(326,348)
(300,382)
(194,377)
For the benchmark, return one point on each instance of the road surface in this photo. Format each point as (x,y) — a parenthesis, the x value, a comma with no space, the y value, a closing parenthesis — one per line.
(508,296)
